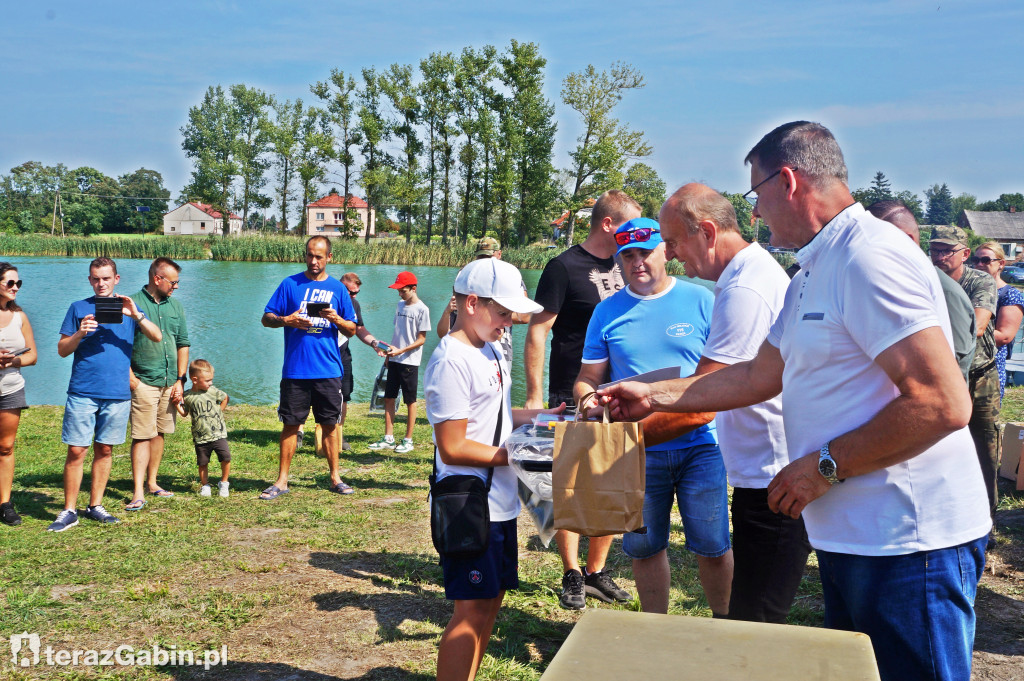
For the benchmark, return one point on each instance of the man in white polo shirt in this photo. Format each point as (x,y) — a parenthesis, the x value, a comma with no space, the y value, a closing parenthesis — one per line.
(882,465)
(770,549)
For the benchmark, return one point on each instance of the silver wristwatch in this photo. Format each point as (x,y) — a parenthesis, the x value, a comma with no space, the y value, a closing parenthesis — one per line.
(827,465)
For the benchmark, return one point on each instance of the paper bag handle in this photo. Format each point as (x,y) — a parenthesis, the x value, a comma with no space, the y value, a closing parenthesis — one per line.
(606,415)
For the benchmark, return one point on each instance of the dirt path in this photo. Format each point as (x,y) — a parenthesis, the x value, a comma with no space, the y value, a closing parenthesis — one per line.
(363,615)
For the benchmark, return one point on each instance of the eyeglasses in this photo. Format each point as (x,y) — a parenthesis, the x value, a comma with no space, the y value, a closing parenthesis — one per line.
(943,253)
(984,260)
(173,282)
(753,190)
(11,283)
(638,235)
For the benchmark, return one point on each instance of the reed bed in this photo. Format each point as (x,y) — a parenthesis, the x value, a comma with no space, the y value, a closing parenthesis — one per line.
(268,249)
(354,252)
(181,248)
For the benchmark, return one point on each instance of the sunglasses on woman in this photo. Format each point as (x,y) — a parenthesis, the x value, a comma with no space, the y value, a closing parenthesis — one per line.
(985,260)
(638,235)
(12,283)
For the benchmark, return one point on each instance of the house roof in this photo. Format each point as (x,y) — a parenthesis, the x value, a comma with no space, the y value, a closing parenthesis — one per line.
(334,200)
(206,208)
(995,224)
(588,208)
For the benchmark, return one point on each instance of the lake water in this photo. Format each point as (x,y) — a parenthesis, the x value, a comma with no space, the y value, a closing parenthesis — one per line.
(223,303)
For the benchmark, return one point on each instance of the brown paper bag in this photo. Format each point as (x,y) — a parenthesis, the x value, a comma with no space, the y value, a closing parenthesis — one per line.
(597,477)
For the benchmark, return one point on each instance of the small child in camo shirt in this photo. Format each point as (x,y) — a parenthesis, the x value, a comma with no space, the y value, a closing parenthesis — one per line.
(205,404)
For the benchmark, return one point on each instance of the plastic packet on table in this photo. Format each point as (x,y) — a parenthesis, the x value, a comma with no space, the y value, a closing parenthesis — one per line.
(530,453)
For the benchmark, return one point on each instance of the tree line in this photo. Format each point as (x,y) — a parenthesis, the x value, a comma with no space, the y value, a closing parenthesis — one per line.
(456,146)
(939,206)
(90,202)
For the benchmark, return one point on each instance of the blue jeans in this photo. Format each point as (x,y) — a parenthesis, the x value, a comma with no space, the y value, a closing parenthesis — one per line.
(918,608)
(695,476)
(87,419)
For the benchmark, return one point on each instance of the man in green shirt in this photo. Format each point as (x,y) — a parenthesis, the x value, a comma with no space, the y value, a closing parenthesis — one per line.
(158,378)
(949,252)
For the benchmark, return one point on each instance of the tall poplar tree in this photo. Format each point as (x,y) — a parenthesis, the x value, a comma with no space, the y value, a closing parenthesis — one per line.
(209,140)
(373,128)
(605,144)
(339,94)
(285,131)
(252,145)
(397,84)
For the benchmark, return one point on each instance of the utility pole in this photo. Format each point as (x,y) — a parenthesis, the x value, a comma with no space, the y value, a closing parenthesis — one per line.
(57,203)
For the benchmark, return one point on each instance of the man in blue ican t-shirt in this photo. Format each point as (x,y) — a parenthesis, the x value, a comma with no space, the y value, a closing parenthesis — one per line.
(656,322)
(311,376)
(99,397)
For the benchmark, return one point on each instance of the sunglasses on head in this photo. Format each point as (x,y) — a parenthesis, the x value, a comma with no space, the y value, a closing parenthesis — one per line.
(11,283)
(635,235)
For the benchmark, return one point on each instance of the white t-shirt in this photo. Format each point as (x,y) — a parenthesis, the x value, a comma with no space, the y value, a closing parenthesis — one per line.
(862,288)
(462,383)
(410,320)
(748,298)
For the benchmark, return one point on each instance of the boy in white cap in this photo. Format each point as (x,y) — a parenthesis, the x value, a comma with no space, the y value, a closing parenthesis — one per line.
(468,398)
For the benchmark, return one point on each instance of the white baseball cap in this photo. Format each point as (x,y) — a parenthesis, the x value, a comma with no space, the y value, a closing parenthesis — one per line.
(497,280)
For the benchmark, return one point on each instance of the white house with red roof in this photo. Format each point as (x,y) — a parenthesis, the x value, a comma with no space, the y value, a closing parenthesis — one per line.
(326,216)
(199,219)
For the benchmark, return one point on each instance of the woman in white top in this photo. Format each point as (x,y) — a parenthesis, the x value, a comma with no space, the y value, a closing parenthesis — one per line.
(15,334)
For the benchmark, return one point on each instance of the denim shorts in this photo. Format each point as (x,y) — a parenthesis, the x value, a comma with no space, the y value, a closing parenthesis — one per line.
(695,476)
(487,575)
(918,608)
(87,419)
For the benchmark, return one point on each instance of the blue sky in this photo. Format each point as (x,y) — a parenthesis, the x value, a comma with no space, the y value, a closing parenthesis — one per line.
(926,91)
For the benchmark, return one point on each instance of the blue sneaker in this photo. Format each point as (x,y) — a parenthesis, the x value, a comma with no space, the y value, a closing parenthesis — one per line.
(100,515)
(65,520)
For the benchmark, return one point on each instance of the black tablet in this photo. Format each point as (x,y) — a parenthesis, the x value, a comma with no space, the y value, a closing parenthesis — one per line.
(316,309)
(108,310)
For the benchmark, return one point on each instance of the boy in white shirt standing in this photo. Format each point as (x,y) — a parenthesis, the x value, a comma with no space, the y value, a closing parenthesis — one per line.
(467,386)
(412,321)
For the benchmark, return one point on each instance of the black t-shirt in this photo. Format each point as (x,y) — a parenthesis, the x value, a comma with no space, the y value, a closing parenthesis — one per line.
(346,353)
(571,286)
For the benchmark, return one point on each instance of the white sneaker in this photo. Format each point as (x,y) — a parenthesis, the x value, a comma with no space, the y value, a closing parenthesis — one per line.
(405,447)
(205,491)
(386,442)
(222,488)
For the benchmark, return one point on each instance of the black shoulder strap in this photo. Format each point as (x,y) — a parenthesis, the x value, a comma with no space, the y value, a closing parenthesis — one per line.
(497,429)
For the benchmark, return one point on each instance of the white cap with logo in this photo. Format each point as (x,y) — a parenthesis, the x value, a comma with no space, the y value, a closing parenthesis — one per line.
(497,280)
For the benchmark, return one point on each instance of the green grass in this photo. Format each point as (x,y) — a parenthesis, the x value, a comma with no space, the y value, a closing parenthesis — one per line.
(270,579)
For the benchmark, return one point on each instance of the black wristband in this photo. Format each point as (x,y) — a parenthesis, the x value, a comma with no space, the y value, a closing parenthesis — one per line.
(184,379)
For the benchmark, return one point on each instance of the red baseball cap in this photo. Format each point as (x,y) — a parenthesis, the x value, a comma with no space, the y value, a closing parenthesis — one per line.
(404,279)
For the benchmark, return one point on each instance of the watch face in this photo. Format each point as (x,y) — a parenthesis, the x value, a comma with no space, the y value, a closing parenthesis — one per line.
(827,467)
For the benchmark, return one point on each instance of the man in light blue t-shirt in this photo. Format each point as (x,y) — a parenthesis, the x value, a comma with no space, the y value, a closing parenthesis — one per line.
(99,397)
(653,323)
(313,308)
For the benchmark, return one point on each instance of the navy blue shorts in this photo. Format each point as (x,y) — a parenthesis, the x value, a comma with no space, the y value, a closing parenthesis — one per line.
(487,575)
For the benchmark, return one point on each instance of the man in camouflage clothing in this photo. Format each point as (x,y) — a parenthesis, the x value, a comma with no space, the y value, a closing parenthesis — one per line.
(949,252)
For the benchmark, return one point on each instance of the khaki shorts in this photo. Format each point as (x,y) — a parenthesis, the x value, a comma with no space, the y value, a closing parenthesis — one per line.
(152,412)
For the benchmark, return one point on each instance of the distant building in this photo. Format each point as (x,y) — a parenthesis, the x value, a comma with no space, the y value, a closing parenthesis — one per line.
(326,217)
(1004,227)
(199,218)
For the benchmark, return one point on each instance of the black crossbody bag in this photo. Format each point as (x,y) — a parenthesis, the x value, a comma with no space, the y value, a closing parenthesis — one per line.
(460,517)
